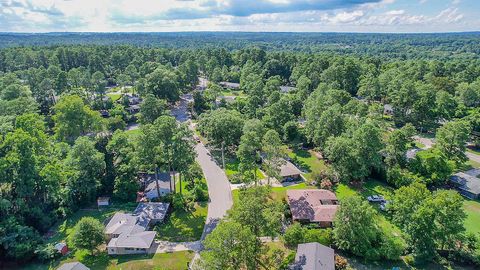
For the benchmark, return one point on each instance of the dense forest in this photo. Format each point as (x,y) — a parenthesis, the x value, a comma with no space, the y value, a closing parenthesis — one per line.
(57,152)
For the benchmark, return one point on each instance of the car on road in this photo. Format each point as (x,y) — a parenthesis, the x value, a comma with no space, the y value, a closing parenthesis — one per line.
(376,198)
(197,139)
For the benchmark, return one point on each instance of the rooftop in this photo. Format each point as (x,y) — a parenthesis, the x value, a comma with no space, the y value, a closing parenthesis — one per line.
(148,211)
(141,239)
(288,169)
(467,182)
(120,223)
(314,256)
(73,266)
(315,205)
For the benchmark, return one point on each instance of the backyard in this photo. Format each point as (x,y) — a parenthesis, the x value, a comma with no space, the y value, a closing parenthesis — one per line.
(307,161)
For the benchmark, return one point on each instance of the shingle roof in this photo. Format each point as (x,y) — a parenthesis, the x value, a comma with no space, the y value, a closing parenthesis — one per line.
(120,223)
(286,89)
(230,84)
(145,212)
(306,204)
(133,240)
(314,256)
(288,169)
(467,182)
(73,266)
(163,182)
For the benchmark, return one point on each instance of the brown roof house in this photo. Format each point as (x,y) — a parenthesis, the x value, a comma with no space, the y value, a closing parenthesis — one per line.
(313,206)
(314,256)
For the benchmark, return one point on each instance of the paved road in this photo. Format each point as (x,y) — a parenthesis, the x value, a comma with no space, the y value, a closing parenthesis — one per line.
(430,142)
(218,189)
(218,185)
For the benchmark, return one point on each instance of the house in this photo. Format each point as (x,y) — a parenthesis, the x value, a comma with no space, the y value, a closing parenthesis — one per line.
(62,248)
(286,89)
(133,109)
(104,113)
(73,266)
(103,201)
(289,172)
(467,183)
(129,234)
(412,153)
(314,256)
(149,184)
(151,213)
(135,242)
(313,206)
(388,109)
(230,85)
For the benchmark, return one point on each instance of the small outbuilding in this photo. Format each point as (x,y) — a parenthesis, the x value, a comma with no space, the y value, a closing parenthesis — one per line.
(314,256)
(62,248)
(103,201)
(73,266)
(230,85)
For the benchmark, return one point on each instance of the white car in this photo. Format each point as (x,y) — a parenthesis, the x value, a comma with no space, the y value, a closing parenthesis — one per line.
(376,198)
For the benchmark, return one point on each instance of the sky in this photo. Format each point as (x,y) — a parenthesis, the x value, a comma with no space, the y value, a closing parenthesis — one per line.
(405,16)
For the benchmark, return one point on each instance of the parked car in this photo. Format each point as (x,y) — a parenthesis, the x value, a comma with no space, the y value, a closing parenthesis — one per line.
(376,198)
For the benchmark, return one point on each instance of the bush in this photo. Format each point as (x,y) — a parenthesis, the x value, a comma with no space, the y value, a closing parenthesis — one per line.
(47,252)
(294,235)
(322,236)
(340,263)
(392,247)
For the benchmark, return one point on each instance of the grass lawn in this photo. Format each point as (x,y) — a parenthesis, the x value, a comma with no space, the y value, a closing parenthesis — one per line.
(184,226)
(472,208)
(231,169)
(473,164)
(114,97)
(133,132)
(278,193)
(473,150)
(164,261)
(371,187)
(307,161)
(64,228)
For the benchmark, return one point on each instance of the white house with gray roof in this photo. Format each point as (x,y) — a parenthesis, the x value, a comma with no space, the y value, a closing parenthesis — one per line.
(129,234)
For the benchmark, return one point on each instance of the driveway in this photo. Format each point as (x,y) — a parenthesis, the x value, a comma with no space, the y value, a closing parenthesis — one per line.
(430,142)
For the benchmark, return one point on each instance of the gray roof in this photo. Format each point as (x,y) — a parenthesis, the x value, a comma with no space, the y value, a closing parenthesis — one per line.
(120,223)
(314,256)
(230,84)
(286,89)
(150,211)
(133,240)
(288,169)
(466,182)
(412,153)
(163,182)
(73,266)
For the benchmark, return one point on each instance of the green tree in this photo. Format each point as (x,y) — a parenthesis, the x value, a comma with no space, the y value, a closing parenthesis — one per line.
(163,83)
(73,118)
(152,108)
(88,234)
(451,140)
(398,143)
(223,127)
(230,246)
(273,154)
(356,229)
(87,166)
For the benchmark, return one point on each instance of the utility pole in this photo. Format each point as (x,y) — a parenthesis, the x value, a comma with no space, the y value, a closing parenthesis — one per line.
(223,156)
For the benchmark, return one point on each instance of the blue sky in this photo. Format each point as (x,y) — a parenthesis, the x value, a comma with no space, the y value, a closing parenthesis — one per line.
(239,15)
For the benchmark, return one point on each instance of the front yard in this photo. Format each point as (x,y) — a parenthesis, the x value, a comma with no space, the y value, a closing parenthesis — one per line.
(183,226)
(472,208)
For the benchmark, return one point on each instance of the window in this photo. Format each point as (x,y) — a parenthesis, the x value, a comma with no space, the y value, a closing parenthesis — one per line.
(129,249)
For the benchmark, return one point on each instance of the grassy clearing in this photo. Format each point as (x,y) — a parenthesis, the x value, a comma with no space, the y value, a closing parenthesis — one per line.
(133,133)
(307,161)
(164,261)
(472,208)
(115,96)
(231,169)
(473,164)
(184,226)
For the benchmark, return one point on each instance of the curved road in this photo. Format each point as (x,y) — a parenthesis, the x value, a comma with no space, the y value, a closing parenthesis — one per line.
(218,185)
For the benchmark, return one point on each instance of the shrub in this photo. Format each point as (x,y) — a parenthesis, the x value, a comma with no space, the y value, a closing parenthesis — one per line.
(340,263)
(294,235)
(47,252)
(322,236)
